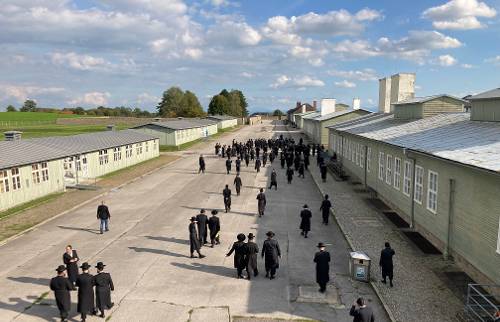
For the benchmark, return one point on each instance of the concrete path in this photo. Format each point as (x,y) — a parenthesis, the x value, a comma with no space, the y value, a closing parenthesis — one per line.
(147,251)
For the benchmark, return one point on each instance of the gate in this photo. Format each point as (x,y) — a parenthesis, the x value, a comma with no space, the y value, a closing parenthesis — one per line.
(482,303)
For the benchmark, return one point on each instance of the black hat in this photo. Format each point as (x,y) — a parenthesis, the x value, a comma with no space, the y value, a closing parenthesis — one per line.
(60,268)
(193,219)
(270,234)
(241,237)
(214,212)
(85,266)
(305,206)
(250,236)
(100,265)
(320,245)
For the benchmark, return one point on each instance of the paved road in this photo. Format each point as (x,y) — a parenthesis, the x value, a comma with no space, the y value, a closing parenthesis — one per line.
(147,250)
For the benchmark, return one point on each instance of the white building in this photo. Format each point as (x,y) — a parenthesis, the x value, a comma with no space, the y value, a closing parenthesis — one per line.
(397,88)
(224,121)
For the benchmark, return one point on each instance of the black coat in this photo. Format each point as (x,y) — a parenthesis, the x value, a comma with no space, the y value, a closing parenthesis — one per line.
(261,202)
(364,314)
(193,237)
(240,251)
(322,169)
(322,260)
(202,226)
(305,223)
(289,174)
(273,177)
(271,253)
(252,252)
(228,164)
(103,212)
(71,267)
(325,207)
(103,287)
(62,287)
(85,283)
(227,194)
(214,226)
(257,164)
(237,182)
(386,258)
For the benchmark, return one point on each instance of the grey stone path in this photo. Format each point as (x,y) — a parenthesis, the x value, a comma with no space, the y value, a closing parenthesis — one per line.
(419,295)
(147,250)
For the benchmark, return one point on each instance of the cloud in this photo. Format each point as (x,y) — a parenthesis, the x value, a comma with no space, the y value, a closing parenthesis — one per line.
(79,62)
(459,14)
(20,93)
(228,32)
(467,66)
(92,99)
(247,75)
(446,60)
(366,74)
(297,82)
(147,99)
(494,60)
(345,84)
(313,55)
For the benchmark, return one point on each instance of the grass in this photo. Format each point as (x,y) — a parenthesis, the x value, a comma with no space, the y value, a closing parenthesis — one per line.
(222,131)
(36,131)
(29,204)
(34,117)
(173,148)
(117,172)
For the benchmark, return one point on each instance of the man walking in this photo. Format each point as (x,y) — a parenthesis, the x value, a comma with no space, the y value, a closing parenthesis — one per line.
(325,209)
(240,252)
(271,253)
(261,202)
(62,287)
(305,222)
(214,226)
(238,165)
(252,252)
(228,165)
(201,162)
(386,263)
(202,222)
(257,165)
(238,184)
(85,283)
(361,312)
(289,175)
(322,169)
(274,180)
(70,259)
(322,260)
(194,241)
(103,287)
(104,216)
(226,193)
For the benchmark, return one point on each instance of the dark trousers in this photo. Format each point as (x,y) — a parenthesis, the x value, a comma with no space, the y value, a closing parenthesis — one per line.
(387,272)
(326,215)
(271,271)
(239,270)
(255,271)
(214,239)
(322,286)
(238,189)
(275,184)
(64,315)
(201,170)
(227,204)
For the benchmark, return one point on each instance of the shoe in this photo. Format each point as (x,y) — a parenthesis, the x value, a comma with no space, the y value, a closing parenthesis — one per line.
(102,232)
(212,246)
(192,256)
(102,315)
(202,256)
(267,275)
(112,304)
(305,236)
(272,277)
(384,281)
(302,233)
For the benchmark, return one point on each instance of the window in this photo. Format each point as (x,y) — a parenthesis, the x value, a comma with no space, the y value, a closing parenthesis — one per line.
(16,179)
(128,151)
(4,181)
(154,145)
(388,171)
(419,184)
(407,178)
(353,152)
(369,159)
(103,157)
(381,160)
(362,156)
(432,191)
(35,173)
(117,153)
(45,171)
(397,173)
(138,148)
(147,147)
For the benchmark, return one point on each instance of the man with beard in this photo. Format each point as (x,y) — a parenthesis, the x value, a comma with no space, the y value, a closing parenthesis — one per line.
(202,222)
(214,226)
(271,253)
(103,287)
(240,251)
(252,252)
(85,283)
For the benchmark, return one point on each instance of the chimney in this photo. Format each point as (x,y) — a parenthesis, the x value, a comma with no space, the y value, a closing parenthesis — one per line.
(356,103)
(303,109)
(110,127)
(315,105)
(12,135)
(298,105)
(327,106)
(384,95)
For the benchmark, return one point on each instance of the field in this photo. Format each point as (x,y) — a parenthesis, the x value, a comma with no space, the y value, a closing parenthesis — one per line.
(23,117)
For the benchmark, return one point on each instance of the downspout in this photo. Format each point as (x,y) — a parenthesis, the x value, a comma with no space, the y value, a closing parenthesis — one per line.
(451,201)
(365,165)
(412,188)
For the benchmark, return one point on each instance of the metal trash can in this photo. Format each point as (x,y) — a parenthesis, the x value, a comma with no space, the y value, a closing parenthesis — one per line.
(359,266)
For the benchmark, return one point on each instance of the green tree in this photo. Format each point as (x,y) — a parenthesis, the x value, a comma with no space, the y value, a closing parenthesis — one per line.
(79,110)
(11,108)
(29,106)
(190,106)
(224,93)
(171,102)
(218,105)
(243,103)
(278,112)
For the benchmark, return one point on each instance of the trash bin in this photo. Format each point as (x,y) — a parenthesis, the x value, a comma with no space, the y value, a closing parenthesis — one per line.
(359,266)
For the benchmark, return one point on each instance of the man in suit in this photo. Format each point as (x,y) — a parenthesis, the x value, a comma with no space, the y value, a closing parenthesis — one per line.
(226,193)
(104,216)
(85,283)
(103,287)
(202,222)
(261,202)
(240,252)
(274,180)
(252,252)
(325,209)
(238,183)
(228,164)
(70,259)
(305,222)
(322,260)
(386,263)
(257,165)
(194,238)
(271,253)
(361,312)
(201,162)
(214,226)
(62,287)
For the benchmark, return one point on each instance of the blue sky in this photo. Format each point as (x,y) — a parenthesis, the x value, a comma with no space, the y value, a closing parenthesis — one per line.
(66,53)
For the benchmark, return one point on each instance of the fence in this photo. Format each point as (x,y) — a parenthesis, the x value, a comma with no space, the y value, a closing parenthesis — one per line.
(481,304)
(12,124)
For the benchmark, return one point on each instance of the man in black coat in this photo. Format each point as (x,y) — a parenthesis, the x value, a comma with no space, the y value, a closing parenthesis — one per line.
(214,226)
(361,312)
(322,260)
(274,180)
(289,175)
(240,252)
(202,222)
(271,253)
(226,193)
(70,259)
(238,165)
(62,287)
(104,216)
(325,209)
(261,202)
(386,263)
(228,165)
(322,170)
(305,222)
(103,287)
(201,162)
(247,159)
(85,283)
(238,183)
(252,252)
(257,165)
(194,241)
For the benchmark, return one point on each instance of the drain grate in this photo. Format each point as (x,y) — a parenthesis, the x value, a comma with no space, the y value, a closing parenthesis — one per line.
(396,219)
(422,243)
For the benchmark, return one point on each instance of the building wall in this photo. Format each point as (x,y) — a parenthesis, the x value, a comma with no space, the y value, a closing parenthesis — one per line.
(384,95)
(475,220)
(408,111)
(167,136)
(227,123)
(486,110)
(402,87)
(442,105)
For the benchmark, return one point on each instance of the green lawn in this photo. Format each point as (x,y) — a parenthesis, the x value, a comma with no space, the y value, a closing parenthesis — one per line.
(36,131)
(33,116)
(185,146)
(29,204)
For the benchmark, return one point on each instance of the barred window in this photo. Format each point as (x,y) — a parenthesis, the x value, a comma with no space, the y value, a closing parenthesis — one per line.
(381,169)
(369,159)
(419,184)
(35,173)
(16,179)
(397,173)
(4,181)
(45,171)
(407,178)
(432,191)
(388,174)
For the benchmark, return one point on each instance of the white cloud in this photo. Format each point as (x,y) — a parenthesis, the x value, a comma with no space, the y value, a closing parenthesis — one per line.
(247,75)
(92,99)
(467,66)
(313,55)
(79,62)
(146,98)
(297,82)
(155,7)
(20,93)
(366,74)
(494,60)
(345,84)
(459,14)
(193,53)
(446,60)
(233,33)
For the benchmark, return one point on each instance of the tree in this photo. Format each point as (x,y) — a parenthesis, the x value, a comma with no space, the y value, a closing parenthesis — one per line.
(278,112)
(171,102)
(218,105)
(29,106)
(79,110)
(190,106)
(11,108)
(243,102)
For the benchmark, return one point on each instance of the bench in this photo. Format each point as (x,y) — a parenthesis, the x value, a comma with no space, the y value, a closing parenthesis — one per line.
(337,169)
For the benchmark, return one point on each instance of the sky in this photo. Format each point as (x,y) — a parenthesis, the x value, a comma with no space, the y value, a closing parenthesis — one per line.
(68,53)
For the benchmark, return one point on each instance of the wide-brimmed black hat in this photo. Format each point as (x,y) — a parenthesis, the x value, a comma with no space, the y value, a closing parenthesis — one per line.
(214,212)
(241,237)
(85,266)
(305,206)
(60,268)
(321,245)
(193,218)
(250,236)
(100,265)
(270,234)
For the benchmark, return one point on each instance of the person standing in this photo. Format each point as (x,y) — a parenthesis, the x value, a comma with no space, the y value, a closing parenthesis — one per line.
(201,162)
(282,160)
(238,184)
(226,193)
(261,202)
(214,226)
(240,251)
(305,222)
(202,222)
(85,283)
(257,165)
(70,259)
(271,253)
(386,263)
(104,216)
(322,169)
(228,164)
(322,260)
(247,159)
(62,287)
(361,312)
(264,159)
(103,287)
(301,170)
(289,175)
(252,252)
(238,165)
(194,241)
(325,209)
(274,180)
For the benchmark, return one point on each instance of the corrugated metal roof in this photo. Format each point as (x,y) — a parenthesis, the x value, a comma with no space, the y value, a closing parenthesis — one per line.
(181,124)
(28,151)
(424,99)
(311,115)
(221,117)
(451,136)
(494,93)
(335,114)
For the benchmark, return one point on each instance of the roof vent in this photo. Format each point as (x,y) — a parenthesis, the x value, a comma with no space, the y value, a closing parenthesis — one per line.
(13,135)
